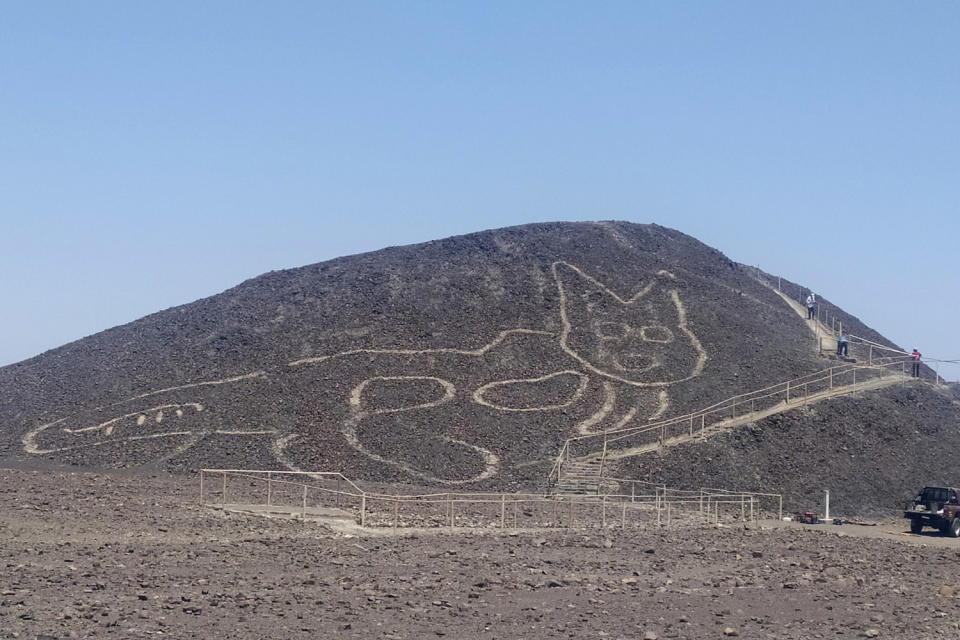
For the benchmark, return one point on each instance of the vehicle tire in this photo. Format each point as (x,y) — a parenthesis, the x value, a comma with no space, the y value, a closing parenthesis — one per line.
(954,529)
(916,525)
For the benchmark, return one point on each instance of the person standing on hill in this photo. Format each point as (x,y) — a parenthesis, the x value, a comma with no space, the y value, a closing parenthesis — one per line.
(842,343)
(811,306)
(915,359)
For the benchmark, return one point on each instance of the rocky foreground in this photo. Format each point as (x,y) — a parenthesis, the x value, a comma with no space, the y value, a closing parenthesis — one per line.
(123,556)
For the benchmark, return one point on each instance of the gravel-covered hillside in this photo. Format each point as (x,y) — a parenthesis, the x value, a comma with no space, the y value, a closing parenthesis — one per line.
(463,362)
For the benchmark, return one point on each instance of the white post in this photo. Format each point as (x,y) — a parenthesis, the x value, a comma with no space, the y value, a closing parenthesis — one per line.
(826,500)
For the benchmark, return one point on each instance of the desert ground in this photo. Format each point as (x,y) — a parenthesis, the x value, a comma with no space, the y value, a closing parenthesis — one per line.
(91,555)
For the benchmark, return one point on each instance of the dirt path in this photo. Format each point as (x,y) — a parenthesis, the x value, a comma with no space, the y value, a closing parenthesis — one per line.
(826,342)
(732,423)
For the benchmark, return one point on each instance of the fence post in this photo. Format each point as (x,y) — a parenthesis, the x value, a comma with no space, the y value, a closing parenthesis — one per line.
(623,517)
(870,358)
(363,510)
(201,486)
(603,457)
(603,512)
(633,492)
(303,509)
(788,392)
(451,510)
(691,426)
(223,492)
(396,513)
(780,509)
(702,421)
(338,491)
(269,489)
(503,511)
(854,380)
(806,392)
(831,377)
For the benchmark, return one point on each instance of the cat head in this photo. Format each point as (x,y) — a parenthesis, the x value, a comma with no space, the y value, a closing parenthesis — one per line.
(643,340)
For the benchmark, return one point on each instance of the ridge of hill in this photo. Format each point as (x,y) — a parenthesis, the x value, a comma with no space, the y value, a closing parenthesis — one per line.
(462,362)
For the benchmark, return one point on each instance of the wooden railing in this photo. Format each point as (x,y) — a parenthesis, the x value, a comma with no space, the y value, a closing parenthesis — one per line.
(313,494)
(838,380)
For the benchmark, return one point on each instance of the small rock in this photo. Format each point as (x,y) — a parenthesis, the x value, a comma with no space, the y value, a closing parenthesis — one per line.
(946,591)
(730,631)
(871,633)
(649,635)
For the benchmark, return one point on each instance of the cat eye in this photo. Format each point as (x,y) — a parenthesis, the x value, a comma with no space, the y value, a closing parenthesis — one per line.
(656,333)
(612,330)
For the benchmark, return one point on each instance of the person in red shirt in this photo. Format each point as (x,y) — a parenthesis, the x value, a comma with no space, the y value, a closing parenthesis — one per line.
(915,358)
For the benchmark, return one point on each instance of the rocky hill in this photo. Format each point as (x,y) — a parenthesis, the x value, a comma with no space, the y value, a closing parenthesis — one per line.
(463,362)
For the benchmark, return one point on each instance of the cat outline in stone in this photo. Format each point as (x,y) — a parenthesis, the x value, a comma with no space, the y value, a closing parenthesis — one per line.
(597,354)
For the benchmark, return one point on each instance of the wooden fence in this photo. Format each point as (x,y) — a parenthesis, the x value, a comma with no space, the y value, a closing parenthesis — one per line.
(314,494)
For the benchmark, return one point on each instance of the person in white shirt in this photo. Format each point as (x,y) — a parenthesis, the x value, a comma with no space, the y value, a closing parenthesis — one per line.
(811,306)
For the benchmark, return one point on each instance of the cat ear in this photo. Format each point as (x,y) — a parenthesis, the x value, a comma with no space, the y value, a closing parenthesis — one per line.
(575,286)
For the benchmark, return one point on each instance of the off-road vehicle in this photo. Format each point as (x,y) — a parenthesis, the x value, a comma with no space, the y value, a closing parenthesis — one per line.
(936,507)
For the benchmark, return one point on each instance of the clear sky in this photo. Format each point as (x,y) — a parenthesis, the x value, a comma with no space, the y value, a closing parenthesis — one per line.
(155,153)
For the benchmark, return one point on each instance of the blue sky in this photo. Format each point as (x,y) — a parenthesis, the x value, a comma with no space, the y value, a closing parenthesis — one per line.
(155,153)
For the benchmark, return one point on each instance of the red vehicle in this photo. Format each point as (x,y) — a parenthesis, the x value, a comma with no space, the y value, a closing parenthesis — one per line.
(937,507)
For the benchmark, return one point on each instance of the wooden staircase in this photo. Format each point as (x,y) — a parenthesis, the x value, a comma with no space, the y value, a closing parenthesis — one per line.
(583,478)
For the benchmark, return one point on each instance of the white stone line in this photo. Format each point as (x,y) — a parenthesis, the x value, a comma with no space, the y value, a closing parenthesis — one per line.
(584,380)
(413,352)
(448,389)
(30,440)
(609,401)
(349,431)
(627,417)
(243,432)
(490,459)
(279,449)
(207,383)
(664,400)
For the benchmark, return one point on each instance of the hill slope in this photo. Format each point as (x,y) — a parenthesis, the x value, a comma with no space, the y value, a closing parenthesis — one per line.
(463,362)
